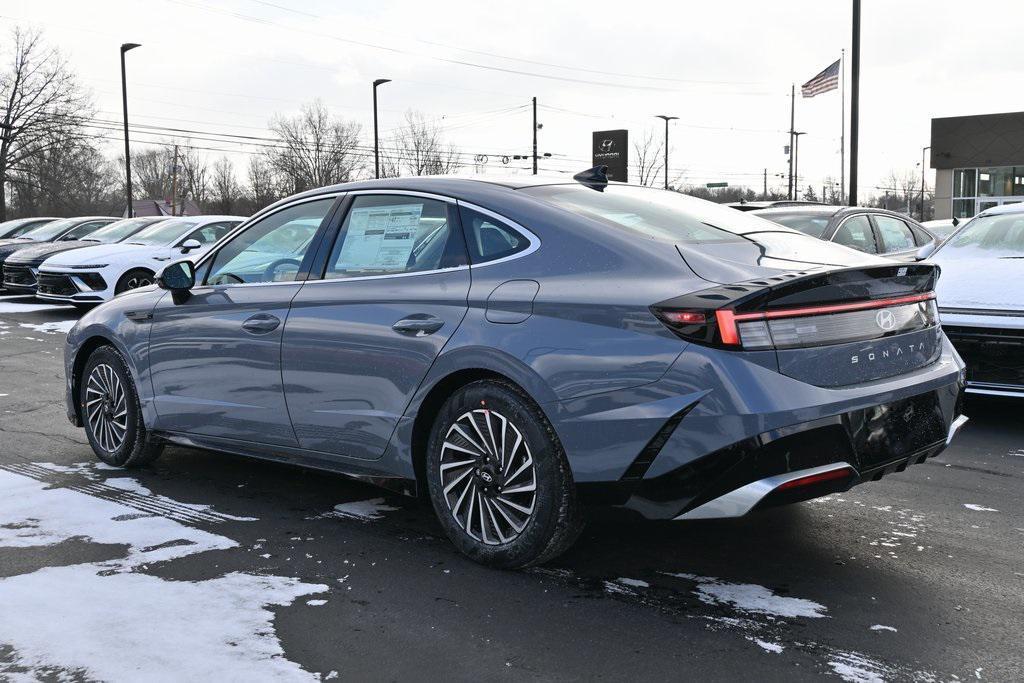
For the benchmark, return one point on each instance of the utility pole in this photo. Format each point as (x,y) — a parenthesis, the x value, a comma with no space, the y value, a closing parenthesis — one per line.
(376,141)
(534,136)
(792,128)
(666,119)
(923,150)
(765,193)
(795,156)
(174,182)
(130,211)
(855,103)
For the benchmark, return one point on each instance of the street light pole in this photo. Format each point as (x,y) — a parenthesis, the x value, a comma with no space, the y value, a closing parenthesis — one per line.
(127,151)
(666,119)
(376,142)
(923,150)
(854,102)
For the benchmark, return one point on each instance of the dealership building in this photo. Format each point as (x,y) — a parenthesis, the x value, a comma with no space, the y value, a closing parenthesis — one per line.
(978,162)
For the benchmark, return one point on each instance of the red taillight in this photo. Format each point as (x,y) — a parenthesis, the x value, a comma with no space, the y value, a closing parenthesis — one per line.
(685,317)
(812,479)
(727,327)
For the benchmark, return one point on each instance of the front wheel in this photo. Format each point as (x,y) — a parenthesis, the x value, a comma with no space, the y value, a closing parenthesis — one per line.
(133,279)
(111,412)
(498,478)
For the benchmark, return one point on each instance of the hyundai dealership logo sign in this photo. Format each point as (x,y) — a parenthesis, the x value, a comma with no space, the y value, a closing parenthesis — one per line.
(611,149)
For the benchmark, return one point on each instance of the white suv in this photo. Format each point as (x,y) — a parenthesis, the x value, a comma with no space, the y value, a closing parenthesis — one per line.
(95,274)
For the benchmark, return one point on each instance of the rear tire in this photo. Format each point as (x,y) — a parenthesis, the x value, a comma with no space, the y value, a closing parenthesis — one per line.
(111,413)
(506,497)
(133,279)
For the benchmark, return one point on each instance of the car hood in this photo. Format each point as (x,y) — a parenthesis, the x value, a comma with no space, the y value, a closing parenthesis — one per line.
(764,254)
(8,249)
(981,283)
(35,253)
(108,253)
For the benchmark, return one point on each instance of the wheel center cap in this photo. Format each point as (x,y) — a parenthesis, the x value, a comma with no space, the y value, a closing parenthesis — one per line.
(488,477)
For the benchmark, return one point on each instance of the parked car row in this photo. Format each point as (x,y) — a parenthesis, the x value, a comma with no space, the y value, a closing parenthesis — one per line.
(85,261)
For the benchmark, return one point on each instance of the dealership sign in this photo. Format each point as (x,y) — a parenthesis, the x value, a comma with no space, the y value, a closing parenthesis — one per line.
(611,149)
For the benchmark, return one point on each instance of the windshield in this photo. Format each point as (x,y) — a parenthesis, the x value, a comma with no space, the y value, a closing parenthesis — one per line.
(655,214)
(999,236)
(48,231)
(20,226)
(119,230)
(83,230)
(165,232)
(813,224)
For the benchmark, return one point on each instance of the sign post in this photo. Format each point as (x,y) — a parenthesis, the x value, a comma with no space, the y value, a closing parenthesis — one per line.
(611,149)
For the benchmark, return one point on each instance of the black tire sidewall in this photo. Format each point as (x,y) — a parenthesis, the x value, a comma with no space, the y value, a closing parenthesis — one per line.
(135,429)
(547,455)
(122,284)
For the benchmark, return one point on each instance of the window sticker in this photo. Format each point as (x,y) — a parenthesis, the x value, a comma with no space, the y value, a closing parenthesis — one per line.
(380,237)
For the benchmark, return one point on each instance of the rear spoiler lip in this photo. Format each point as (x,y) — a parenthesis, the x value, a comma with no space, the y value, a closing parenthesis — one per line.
(762,294)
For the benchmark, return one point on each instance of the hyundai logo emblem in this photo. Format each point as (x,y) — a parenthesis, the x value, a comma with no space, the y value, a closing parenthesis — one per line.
(606,145)
(885,319)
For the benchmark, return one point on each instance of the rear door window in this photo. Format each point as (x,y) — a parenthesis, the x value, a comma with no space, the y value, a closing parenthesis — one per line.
(856,233)
(393,234)
(895,234)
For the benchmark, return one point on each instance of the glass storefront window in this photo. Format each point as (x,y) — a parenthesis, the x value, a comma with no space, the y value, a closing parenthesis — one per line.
(995,182)
(1018,181)
(964,181)
(963,208)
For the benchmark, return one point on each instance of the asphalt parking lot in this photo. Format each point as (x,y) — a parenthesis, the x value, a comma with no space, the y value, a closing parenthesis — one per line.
(237,569)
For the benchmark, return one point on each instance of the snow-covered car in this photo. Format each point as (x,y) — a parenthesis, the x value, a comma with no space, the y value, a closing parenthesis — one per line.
(981,299)
(14,228)
(95,274)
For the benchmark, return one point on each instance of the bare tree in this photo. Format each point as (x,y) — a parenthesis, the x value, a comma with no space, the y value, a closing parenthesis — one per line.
(193,181)
(69,179)
(417,148)
(225,192)
(316,149)
(649,158)
(152,171)
(43,106)
(264,185)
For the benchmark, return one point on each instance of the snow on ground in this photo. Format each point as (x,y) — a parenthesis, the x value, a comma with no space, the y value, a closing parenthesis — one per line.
(365,510)
(856,668)
(16,307)
(58,326)
(774,648)
(749,597)
(75,618)
(979,508)
(881,627)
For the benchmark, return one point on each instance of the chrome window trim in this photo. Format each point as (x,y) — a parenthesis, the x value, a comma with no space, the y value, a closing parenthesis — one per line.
(409,193)
(530,236)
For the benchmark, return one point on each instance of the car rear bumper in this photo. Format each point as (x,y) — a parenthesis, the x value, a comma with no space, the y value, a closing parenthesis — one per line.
(805,460)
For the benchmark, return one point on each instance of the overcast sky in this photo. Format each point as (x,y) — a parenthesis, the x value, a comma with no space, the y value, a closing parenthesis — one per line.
(724,68)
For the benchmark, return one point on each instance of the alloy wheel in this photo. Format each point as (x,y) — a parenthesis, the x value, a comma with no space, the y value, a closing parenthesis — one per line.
(488,476)
(137,281)
(107,407)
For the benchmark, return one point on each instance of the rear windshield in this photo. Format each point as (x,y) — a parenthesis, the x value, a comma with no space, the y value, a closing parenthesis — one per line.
(809,224)
(119,230)
(655,214)
(999,236)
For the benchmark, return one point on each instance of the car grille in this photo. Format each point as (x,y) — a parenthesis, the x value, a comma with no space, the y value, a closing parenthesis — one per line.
(19,275)
(59,285)
(992,355)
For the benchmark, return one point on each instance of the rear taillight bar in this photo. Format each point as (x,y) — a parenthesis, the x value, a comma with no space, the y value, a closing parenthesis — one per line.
(755,330)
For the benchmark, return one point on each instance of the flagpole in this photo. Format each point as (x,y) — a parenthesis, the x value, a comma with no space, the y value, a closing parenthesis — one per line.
(842,123)
(854,101)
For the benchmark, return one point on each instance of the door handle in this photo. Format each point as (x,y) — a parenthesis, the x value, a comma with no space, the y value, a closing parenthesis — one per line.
(418,326)
(261,323)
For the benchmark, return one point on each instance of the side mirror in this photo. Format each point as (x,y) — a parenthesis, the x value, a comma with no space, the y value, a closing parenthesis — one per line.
(925,251)
(179,278)
(190,244)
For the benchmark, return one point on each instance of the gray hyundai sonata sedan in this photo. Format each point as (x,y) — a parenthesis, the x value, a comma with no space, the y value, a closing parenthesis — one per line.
(515,349)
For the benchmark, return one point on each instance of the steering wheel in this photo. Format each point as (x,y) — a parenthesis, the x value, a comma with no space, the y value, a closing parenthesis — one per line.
(221,277)
(271,271)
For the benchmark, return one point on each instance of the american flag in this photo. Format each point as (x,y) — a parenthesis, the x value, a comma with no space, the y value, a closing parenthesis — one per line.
(823,82)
